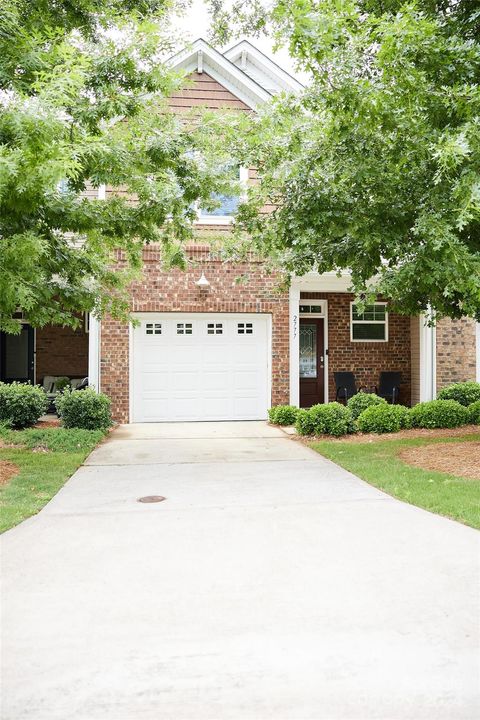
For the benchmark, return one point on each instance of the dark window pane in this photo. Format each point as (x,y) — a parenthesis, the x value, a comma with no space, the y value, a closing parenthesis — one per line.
(367,331)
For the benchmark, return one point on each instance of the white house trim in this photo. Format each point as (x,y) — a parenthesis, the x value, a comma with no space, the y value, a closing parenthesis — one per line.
(213,63)
(478,352)
(252,61)
(94,352)
(311,282)
(294,322)
(428,360)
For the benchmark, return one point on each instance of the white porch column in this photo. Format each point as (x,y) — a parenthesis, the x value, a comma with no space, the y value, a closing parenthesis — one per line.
(478,352)
(428,360)
(94,352)
(294,302)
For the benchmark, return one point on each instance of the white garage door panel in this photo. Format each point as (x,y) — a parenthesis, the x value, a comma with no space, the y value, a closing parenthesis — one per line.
(200,376)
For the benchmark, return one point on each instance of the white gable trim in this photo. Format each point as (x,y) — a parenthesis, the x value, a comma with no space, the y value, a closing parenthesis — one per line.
(247,53)
(202,57)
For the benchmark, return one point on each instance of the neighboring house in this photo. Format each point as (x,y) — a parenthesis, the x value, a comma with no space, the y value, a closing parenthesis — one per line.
(224,350)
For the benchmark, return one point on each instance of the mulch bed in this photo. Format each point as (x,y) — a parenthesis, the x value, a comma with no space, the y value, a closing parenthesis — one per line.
(42,424)
(461,459)
(7,471)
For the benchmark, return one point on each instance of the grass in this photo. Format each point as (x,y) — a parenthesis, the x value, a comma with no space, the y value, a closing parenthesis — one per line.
(378,463)
(46,459)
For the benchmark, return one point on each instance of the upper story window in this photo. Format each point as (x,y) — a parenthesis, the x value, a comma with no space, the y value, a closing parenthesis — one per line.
(371,325)
(226,205)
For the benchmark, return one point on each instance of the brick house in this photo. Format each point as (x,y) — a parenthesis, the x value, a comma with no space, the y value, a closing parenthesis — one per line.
(208,347)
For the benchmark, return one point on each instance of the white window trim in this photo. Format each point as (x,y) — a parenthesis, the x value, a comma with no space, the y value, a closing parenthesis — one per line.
(312,303)
(223,219)
(368,322)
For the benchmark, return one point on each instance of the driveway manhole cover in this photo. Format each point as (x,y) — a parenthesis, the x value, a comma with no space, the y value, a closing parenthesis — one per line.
(151,498)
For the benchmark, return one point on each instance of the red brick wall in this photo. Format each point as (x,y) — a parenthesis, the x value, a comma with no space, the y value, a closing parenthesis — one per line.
(365,359)
(159,291)
(61,351)
(456,351)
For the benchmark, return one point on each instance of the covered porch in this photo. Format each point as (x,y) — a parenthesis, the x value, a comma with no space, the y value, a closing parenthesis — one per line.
(42,356)
(328,335)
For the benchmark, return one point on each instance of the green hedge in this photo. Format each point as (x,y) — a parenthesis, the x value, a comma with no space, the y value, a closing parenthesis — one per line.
(439,414)
(465,393)
(21,404)
(384,419)
(304,423)
(474,413)
(329,419)
(361,401)
(283,414)
(84,409)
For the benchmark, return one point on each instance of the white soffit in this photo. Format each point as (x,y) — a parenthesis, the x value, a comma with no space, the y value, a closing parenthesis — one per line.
(261,68)
(200,56)
(327,282)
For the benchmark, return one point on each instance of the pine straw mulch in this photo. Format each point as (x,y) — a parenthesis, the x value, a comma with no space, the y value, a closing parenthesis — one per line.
(461,459)
(7,471)
(42,424)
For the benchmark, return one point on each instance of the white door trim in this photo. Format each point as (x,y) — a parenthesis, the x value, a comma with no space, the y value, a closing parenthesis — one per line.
(294,312)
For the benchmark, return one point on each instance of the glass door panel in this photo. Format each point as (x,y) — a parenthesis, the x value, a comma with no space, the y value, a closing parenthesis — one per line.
(308,350)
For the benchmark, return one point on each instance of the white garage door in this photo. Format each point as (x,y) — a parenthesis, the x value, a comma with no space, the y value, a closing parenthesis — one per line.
(200,367)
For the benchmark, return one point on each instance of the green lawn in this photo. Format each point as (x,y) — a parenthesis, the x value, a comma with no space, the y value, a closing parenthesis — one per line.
(378,464)
(46,459)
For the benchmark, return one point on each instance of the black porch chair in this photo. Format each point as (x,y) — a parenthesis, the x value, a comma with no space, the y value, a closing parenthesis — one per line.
(346,385)
(389,386)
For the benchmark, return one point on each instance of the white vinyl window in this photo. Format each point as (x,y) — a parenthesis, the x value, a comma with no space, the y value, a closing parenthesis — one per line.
(223,213)
(371,325)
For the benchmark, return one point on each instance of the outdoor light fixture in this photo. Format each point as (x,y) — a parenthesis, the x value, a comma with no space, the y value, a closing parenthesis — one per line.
(202,282)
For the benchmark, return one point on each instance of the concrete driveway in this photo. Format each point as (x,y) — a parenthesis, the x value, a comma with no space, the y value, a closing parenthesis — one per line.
(269,584)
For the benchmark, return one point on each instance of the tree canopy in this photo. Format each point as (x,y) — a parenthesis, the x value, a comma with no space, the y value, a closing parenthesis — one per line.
(375,168)
(83,101)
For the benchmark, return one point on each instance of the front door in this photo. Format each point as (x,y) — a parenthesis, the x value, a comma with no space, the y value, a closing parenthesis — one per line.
(312,362)
(17,356)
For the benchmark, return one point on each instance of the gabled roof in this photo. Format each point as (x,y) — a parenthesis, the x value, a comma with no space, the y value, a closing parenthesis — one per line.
(201,57)
(261,68)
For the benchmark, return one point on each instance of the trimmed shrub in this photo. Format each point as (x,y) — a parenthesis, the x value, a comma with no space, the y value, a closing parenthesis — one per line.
(383,419)
(21,404)
(304,423)
(84,409)
(331,419)
(466,393)
(474,413)
(283,414)
(439,414)
(361,401)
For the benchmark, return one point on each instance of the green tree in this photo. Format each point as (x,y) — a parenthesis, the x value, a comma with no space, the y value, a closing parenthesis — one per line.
(83,100)
(375,168)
